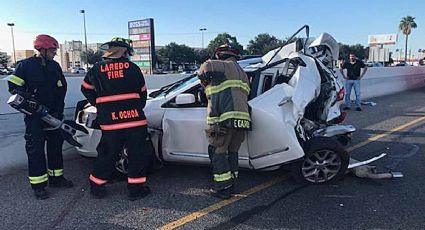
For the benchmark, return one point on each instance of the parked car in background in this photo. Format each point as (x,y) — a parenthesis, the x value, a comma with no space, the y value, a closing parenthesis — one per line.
(374,64)
(422,61)
(78,70)
(402,63)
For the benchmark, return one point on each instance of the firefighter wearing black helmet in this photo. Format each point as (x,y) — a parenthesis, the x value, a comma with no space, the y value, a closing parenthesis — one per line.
(41,78)
(227,89)
(117,88)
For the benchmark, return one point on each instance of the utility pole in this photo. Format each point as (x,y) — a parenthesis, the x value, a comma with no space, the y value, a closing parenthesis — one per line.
(13,42)
(202,31)
(85,39)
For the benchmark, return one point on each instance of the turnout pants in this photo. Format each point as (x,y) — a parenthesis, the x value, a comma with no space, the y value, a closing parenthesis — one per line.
(223,153)
(111,144)
(37,140)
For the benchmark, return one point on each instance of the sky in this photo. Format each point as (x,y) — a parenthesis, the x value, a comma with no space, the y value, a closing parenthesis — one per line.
(350,22)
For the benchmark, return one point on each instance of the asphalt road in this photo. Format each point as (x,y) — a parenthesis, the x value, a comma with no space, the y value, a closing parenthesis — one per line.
(180,191)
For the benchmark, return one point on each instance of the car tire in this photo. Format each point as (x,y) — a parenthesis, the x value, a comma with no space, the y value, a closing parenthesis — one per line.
(325,161)
(121,163)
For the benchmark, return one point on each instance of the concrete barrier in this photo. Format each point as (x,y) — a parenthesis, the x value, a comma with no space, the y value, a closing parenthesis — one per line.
(378,81)
(74,83)
(381,81)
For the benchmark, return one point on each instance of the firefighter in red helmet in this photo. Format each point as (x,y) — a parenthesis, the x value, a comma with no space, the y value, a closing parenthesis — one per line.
(41,78)
(227,89)
(117,88)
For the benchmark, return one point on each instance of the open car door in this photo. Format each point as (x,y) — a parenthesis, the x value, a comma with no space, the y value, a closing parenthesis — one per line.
(275,113)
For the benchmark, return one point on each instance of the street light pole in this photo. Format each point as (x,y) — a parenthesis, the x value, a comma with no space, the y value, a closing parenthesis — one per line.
(85,38)
(202,31)
(13,41)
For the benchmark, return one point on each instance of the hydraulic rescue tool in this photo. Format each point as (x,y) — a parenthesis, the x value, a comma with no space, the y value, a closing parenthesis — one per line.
(28,105)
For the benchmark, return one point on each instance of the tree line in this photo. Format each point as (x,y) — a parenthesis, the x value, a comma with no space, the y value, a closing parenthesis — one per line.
(260,45)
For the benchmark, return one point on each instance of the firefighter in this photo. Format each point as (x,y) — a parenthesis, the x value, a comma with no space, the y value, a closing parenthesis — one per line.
(116,87)
(227,88)
(41,77)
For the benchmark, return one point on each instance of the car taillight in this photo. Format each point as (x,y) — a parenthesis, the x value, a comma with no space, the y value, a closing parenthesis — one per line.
(339,119)
(340,95)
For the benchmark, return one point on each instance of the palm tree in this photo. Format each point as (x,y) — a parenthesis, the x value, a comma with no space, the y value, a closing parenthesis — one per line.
(406,25)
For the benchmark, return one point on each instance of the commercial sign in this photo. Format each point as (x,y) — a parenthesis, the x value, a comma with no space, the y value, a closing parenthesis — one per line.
(144,37)
(137,44)
(143,57)
(139,23)
(143,50)
(141,32)
(382,39)
(142,64)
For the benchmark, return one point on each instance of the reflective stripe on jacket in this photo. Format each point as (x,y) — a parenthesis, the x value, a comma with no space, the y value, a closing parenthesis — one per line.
(227,94)
(45,82)
(117,88)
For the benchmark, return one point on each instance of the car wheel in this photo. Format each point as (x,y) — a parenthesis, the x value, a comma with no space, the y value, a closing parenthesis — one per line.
(121,165)
(325,161)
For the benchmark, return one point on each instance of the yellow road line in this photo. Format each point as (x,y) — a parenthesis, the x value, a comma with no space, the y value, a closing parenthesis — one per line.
(198,214)
(377,137)
(219,205)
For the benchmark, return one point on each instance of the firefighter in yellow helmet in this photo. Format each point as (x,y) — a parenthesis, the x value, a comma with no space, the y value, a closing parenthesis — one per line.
(227,89)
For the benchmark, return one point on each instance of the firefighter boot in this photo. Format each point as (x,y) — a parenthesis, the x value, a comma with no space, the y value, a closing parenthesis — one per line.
(222,194)
(137,191)
(41,193)
(97,191)
(60,182)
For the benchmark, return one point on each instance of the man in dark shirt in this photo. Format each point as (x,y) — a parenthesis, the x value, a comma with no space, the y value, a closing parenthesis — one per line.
(353,78)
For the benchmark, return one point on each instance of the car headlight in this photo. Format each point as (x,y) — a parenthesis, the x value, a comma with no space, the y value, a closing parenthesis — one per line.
(84,118)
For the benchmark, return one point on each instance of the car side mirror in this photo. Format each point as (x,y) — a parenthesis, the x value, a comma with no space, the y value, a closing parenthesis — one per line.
(185,99)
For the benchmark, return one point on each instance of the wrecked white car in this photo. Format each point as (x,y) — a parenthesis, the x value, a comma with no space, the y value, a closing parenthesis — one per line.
(295,100)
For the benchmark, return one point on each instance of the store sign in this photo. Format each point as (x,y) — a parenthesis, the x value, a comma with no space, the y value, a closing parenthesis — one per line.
(145,37)
(139,23)
(140,57)
(144,50)
(142,64)
(137,44)
(139,30)
(134,37)
(145,57)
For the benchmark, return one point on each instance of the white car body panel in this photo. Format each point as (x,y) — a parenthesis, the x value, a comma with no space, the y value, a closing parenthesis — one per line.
(178,132)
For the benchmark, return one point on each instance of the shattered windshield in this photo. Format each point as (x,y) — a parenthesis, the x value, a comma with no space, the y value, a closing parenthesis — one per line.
(163,91)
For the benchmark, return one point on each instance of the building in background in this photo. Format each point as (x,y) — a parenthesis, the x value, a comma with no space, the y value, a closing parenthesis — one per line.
(94,46)
(23,54)
(69,54)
